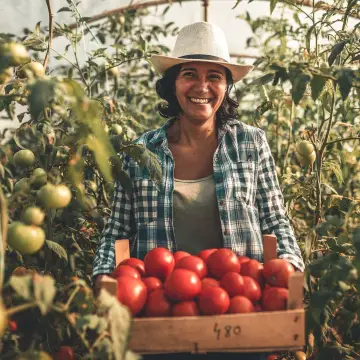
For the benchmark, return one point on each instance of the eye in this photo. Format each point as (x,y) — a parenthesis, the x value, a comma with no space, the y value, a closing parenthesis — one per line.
(215,77)
(188,73)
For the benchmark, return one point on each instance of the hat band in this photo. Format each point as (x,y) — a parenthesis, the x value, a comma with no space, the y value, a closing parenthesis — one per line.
(203,57)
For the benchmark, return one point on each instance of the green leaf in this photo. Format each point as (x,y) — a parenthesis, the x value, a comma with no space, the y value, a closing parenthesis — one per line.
(336,50)
(299,81)
(317,85)
(345,79)
(265,79)
(308,38)
(40,95)
(22,285)
(335,168)
(63,9)
(58,249)
(237,3)
(37,29)
(146,159)
(44,292)
(272,5)
(119,319)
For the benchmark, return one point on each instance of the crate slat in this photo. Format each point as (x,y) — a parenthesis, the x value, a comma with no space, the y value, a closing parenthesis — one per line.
(278,330)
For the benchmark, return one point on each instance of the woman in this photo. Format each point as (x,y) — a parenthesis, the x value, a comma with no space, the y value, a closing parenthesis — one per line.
(219,186)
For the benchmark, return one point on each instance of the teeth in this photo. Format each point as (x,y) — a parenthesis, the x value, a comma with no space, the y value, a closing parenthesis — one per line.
(199,101)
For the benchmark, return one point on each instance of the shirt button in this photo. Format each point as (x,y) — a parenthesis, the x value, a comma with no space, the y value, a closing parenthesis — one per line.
(219,180)
(226,232)
(222,202)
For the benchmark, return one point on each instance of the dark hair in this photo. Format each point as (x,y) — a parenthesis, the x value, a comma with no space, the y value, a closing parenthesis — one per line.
(165,89)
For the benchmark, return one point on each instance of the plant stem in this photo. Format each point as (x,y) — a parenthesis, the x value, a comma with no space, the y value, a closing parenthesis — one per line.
(345,139)
(292,115)
(3,234)
(51,33)
(19,308)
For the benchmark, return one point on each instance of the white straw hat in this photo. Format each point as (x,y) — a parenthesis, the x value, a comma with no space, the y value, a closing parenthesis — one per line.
(201,41)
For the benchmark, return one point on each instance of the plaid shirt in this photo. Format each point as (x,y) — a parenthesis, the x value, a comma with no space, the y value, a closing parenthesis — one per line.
(248,195)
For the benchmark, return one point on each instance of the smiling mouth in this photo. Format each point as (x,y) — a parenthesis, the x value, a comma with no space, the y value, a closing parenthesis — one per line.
(199,100)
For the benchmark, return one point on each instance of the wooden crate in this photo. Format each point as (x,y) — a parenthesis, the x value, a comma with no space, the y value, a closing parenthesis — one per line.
(254,332)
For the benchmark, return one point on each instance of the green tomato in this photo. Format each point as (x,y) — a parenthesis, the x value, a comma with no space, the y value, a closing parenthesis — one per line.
(33,216)
(54,196)
(24,158)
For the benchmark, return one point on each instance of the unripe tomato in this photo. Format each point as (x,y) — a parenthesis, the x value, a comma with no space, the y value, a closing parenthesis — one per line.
(116,129)
(131,293)
(26,239)
(159,262)
(185,308)
(6,75)
(277,272)
(254,269)
(240,305)
(22,185)
(233,283)
(204,254)
(213,300)
(33,68)
(65,353)
(136,264)
(15,53)
(275,298)
(33,216)
(157,304)
(54,196)
(182,284)
(222,261)
(179,255)
(152,283)
(193,263)
(305,153)
(125,270)
(24,158)
(252,289)
(114,71)
(38,178)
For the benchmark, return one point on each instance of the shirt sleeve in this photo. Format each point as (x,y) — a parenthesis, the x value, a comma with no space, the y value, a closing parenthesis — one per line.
(270,202)
(117,227)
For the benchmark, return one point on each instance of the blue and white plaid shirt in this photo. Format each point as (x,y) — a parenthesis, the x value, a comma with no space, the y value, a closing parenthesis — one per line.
(248,195)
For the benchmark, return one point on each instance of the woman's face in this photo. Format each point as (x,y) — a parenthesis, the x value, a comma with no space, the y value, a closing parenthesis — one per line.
(200,90)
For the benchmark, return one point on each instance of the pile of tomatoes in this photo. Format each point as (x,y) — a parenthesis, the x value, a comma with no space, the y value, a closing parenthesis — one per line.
(214,282)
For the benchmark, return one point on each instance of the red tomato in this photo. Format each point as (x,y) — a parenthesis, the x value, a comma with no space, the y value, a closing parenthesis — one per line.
(185,308)
(208,281)
(159,262)
(275,298)
(157,304)
(222,261)
(179,255)
(240,305)
(204,254)
(13,325)
(65,353)
(233,283)
(252,289)
(243,259)
(125,270)
(136,264)
(258,308)
(273,357)
(152,283)
(254,269)
(213,300)
(182,284)
(193,263)
(277,272)
(131,293)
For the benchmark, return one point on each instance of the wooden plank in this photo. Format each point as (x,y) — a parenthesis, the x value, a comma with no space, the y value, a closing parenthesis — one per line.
(237,332)
(296,289)
(270,247)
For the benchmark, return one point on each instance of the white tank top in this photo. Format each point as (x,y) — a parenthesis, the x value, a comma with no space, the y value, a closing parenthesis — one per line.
(197,223)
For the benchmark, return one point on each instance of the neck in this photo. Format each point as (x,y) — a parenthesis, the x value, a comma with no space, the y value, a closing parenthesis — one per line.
(188,133)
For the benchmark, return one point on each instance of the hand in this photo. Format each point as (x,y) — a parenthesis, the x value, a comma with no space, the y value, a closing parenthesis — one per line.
(98,282)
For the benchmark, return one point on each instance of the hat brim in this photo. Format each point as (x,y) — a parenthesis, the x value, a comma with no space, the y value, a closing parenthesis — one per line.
(162,63)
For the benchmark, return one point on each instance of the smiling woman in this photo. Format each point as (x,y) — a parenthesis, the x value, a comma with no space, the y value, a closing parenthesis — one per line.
(219,186)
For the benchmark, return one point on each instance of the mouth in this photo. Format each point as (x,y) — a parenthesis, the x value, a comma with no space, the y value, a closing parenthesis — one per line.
(200,101)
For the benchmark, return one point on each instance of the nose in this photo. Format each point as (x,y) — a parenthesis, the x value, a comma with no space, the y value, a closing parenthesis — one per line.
(201,85)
